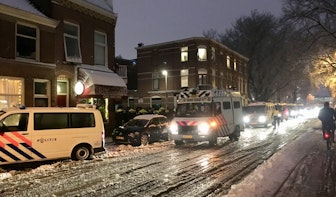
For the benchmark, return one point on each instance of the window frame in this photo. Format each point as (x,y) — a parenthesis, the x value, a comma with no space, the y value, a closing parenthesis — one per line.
(99,44)
(42,96)
(202,53)
(184,54)
(36,38)
(77,38)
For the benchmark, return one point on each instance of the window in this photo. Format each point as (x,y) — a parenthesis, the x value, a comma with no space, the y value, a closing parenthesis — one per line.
(63,120)
(100,50)
(236,104)
(71,43)
(226,105)
(15,122)
(41,92)
(202,53)
(202,76)
(184,77)
(122,70)
(11,91)
(228,62)
(155,76)
(235,64)
(184,54)
(26,42)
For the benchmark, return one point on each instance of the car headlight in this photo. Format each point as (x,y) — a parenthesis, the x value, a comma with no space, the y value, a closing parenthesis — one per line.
(262,119)
(203,128)
(246,119)
(173,128)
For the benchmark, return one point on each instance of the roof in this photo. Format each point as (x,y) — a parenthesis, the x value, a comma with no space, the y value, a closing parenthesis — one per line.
(212,41)
(24,10)
(105,4)
(149,116)
(24,5)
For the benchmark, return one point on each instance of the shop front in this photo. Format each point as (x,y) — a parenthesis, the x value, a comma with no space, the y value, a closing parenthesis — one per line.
(103,88)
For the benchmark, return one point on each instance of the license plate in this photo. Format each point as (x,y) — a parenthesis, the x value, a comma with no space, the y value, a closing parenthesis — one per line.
(120,138)
(187,136)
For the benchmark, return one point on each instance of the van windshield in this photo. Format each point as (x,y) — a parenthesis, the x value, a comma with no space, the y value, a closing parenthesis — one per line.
(193,109)
(254,109)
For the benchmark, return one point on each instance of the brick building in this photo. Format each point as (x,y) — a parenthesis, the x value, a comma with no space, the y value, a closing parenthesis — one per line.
(196,62)
(52,46)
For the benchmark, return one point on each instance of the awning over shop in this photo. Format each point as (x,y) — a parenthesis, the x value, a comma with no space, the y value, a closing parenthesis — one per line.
(99,80)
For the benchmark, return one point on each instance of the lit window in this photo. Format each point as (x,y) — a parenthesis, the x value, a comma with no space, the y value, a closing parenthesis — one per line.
(100,50)
(228,62)
(41,92)
(184,78)
(202,53)
(71,43)
(235,64)
(184,54)
(26,42)
(11,91)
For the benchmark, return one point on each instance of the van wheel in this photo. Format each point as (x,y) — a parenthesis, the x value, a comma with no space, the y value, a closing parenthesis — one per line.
(81,153)
(235,135)
(144,139)
(213,140)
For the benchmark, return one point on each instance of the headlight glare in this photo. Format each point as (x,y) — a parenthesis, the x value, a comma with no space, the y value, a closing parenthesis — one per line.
(203,128)
(173,128)
(262,119)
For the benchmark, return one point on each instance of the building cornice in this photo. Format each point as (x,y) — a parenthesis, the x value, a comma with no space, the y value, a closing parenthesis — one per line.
(24,15)
(195,39)
(88,9)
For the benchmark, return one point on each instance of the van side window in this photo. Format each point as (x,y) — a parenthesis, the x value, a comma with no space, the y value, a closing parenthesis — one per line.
(80,120)
(236,104)
(217,108)
(15,122)
(50,121)
(226,105)
(63,120)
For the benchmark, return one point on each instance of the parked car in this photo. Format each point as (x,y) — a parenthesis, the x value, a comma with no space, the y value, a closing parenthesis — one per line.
(142,130)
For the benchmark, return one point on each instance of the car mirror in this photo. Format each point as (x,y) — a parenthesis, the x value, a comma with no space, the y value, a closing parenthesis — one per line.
(152,125)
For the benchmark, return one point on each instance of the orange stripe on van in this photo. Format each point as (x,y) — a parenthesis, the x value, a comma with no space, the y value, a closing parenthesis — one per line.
(21,137)
(2,145)
(8,138)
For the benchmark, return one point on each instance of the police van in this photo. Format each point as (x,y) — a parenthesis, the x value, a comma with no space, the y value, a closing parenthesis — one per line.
(205,115)
(46,133)
(258,114)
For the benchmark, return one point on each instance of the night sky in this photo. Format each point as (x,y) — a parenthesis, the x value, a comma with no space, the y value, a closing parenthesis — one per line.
(157,21)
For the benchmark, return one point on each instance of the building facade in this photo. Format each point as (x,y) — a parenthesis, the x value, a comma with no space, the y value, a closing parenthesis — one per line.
(164,69)
(60,53)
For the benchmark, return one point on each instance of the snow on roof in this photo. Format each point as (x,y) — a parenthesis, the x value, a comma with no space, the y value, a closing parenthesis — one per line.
(24,5)
(105,4)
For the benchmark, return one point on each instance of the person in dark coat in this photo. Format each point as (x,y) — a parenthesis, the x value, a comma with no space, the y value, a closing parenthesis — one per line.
(327,116)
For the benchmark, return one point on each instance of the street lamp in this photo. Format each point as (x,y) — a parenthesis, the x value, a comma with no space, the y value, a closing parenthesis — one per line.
(165,73)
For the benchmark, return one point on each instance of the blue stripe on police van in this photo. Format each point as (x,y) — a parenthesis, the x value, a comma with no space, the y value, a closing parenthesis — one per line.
(33,150)
(20,151)
(9,154)
(2,159)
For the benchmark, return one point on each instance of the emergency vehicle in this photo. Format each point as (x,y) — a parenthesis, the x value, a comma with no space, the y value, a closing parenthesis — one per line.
(205,115)
(46,133)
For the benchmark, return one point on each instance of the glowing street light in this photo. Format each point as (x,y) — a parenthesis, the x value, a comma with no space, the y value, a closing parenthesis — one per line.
(165,73)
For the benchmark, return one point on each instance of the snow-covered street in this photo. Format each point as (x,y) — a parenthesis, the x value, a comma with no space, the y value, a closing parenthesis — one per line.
(264,162)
